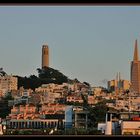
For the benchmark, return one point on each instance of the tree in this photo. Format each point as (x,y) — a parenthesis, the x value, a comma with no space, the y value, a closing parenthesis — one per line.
(2,73)
(76,80)
(46,75)
(85,100)
(8,96)
(50,75)
(97,113)
(86,83)
(4,108)
(100,110)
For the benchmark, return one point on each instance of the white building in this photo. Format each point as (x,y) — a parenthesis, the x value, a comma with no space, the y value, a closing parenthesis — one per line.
(102,127)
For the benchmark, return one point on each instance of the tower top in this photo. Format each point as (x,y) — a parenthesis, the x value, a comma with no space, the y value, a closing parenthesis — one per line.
(136,56)
(45,45)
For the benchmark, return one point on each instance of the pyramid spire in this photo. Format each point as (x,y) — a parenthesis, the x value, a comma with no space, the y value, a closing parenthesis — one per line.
(136,56)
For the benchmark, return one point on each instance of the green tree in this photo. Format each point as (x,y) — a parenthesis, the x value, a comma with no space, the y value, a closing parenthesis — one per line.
(97,114)
(100,110)
(50,75)
(85,101)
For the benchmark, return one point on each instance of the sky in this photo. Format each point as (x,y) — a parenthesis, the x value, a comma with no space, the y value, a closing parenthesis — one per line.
(90,43)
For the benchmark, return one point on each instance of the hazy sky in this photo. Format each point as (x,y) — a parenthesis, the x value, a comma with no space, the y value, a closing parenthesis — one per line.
(90,43)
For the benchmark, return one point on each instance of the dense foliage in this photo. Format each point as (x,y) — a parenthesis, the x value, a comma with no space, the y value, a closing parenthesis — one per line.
(45,76)
(4,108)
(97,114)
(50,75)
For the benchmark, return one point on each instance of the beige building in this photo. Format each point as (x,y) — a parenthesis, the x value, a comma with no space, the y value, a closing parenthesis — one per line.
(74,98)
(23,111)
(52,108)
(45,56)
(27,117)
(8,83)
(130,128)
(112,85)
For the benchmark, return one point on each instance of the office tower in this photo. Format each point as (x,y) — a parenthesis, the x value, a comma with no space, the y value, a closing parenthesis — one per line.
(135,71)
(45,56)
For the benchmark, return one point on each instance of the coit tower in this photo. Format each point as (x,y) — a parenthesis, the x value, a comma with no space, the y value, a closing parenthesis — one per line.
(45,56)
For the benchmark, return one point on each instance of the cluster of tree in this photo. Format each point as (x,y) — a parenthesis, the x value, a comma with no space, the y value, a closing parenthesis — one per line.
(2,73)
(50,75)
(31,82)
(97,113)
(4,108)
(45,76)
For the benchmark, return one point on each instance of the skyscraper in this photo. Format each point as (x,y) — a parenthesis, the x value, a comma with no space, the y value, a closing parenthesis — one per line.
(135,71)
(45,56)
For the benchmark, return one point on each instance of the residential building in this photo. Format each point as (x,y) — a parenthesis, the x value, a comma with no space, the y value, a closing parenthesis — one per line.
(8,83)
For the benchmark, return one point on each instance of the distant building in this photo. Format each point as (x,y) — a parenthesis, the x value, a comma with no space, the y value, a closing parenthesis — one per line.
(8,83)
(23,112)
(74,98)
(52,108)
(118,84)
(45,56)
(112,85)
(135,71)
(125,84)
